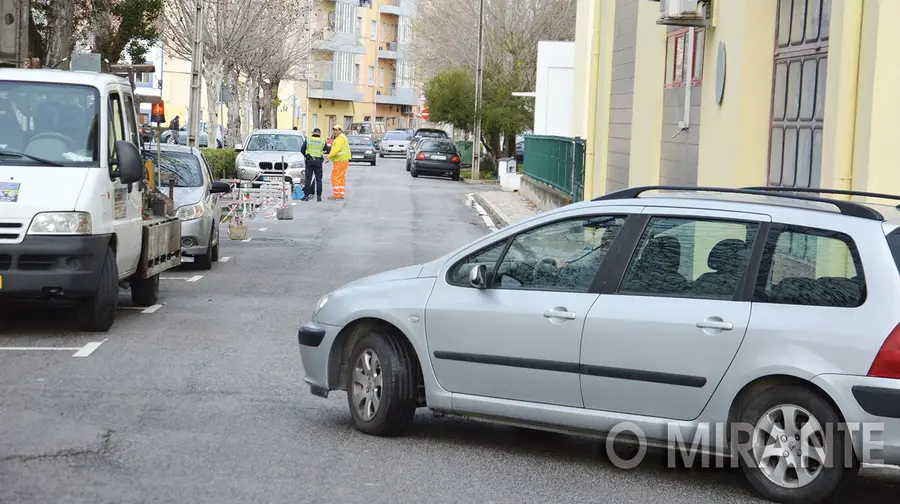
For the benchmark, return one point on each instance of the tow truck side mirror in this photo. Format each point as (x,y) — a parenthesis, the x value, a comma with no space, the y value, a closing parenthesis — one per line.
(130,165)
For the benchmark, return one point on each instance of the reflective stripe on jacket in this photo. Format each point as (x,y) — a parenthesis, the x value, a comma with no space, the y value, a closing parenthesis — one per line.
(315,147)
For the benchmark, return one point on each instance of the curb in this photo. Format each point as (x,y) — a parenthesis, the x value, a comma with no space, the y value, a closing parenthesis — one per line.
(498,216)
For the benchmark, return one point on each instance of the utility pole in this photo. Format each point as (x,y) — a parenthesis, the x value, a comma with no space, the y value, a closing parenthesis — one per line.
(196,76)
(307,117)
(479,76)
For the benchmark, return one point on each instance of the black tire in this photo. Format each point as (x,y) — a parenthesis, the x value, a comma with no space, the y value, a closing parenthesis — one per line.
(214,253)
(98,312)
(456,177)
(832,478)
(407,166)
(373,163)
(381,155)
(204,262)
(413,172)
(144,291)
(399,376)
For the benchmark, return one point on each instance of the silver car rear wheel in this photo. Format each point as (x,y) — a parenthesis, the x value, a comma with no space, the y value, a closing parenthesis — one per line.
(367,385)
(789,445)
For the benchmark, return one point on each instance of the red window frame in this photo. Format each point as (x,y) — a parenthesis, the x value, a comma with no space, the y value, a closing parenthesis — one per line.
(679,38)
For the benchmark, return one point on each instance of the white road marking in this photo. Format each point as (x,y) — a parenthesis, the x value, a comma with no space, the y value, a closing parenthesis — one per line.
(89,348)
(263,229)
(152,309)
(248,239)
(24,349)
(195,278)
(172,278)
(84,351)
(224,259)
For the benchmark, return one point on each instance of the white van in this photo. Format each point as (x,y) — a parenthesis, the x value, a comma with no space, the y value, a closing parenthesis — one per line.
(74,223)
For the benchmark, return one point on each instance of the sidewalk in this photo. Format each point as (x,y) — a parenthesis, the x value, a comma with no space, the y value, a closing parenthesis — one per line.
(504,208)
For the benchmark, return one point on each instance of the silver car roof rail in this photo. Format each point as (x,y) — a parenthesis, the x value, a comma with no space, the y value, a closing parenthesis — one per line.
(849,208)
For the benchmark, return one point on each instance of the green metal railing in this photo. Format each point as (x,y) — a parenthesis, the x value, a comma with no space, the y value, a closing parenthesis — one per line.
(556,161)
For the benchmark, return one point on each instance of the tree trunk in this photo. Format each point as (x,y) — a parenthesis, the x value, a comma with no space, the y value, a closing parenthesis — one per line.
(270,103)
(60,17)
(214,74)
(234,134)
(253,88)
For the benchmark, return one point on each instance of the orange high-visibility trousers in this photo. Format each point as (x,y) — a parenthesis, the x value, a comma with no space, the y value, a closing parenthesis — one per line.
(339,178)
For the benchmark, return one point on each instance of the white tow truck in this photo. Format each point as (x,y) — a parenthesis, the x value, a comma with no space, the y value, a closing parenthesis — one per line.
(76,219)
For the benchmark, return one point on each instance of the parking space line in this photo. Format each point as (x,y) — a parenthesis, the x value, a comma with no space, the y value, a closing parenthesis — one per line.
(25,349)
(89,348)
(224,259)
(248,239)
(195,278)
(263,229)
(152,309)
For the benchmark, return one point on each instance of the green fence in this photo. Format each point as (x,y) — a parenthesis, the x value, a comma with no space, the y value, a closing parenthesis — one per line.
(557,162)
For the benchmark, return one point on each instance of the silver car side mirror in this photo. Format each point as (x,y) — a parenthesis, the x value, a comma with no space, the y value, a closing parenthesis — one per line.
(478,276)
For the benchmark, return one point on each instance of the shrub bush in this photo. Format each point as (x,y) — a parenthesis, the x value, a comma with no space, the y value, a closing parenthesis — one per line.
(221,162)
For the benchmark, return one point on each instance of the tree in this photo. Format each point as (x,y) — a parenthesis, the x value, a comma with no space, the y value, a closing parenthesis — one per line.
(451,99)
(114,26)
(513,29)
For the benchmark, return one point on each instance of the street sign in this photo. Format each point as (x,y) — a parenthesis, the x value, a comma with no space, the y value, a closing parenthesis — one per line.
(425,114)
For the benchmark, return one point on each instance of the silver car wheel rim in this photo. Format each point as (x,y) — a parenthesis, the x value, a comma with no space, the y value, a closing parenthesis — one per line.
(789,446)
(367,385)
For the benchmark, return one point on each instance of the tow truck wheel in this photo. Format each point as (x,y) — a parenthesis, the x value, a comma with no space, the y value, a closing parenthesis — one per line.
(144,291)
(98,312)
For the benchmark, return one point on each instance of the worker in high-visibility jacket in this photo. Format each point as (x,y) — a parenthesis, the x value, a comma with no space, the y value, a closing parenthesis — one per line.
(340,156)
(314,150)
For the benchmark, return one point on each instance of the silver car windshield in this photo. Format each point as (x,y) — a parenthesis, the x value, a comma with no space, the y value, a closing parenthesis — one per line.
(45,123)
(275,142)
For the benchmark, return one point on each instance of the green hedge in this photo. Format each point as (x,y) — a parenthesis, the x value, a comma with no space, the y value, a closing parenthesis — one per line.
(221,162)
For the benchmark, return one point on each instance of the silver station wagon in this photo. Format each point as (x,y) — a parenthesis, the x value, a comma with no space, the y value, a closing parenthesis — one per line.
(761,323)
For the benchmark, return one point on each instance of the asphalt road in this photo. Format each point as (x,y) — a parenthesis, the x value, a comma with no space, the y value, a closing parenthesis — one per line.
(202,400)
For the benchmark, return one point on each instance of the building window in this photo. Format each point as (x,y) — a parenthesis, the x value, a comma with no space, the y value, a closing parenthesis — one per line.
(798,93)
(315,121)
(381,76)
(677,57)
(371,75)
(344,64)
(359,26)
(373,30)
(348,120)
(345,18)
(379,119)
(356,74)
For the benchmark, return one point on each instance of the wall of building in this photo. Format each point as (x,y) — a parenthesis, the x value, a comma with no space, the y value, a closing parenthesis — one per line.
(618,140)
(835,131)
(680,139)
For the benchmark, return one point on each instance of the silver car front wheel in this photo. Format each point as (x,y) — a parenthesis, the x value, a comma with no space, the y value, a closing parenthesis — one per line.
(367,384)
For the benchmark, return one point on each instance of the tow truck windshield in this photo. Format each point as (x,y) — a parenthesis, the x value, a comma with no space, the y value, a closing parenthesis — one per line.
(52,124)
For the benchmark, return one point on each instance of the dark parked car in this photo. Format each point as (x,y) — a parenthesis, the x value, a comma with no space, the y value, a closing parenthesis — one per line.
(362,149)
(431,132)
(148,133)
(435,156)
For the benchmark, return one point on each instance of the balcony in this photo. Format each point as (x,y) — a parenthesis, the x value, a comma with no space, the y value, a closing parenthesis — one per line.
(392,50)
(398,96)
(329,40)
(334,90)
(397,7)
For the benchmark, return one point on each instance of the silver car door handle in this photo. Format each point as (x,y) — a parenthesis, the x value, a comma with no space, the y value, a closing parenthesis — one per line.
(559,314)
(712,324)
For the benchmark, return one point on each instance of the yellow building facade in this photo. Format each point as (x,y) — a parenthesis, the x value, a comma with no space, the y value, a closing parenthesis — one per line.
(360,70)
(770,92)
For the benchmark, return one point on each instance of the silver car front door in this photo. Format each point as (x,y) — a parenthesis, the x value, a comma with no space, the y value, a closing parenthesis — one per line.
(517,334)
(673,314)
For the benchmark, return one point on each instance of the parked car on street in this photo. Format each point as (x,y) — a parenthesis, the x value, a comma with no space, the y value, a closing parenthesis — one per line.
(758,324)
(431,132)
(373,130)
(362,149)
(269,150)
(168,136)
(410,132)
(434,156)
(196,199)
(394,144)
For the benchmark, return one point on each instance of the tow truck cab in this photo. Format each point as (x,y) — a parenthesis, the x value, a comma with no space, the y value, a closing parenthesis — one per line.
(72,205)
